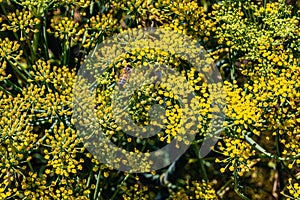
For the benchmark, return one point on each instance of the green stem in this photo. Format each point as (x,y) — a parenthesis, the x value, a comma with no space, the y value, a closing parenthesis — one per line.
(65,51)
(88,183)
(257,146)
(89,179)
(119,186)
(97,184)
(27,73)
(50,4)
(268,154)
(22,46)
(45,36)
(91,7)
(201,162)
(3,9)
(236,187)
(15,68)
(220,191)
(17,2)
(28,40)
(12,84)
(4,90)
(36,38)
(203,170)
(279,166)
(30,166)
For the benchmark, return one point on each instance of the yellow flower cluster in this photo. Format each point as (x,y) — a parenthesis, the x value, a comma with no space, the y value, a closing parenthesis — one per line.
(18,140)
(66,29)
(195,190)
(189,18)
(136,192)
(43,4)
(10,49)
(53,92)
(183,16)
(262,38)
(3,74)
(49,100)
(153,93)
(293,190)
(72,32)
(99,27)
(238,152)
(242,110)
(75,4)
(23,20)
(137,13)
(258,48)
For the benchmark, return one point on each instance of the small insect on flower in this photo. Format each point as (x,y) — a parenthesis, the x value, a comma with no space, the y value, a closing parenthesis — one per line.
(77,16)
(125,75)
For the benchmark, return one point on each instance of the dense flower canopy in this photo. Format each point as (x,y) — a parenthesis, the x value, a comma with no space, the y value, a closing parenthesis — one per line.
(255,46)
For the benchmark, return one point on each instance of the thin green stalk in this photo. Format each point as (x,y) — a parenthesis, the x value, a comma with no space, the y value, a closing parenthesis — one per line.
(16,69)
(89,181)
(287,170)
(279,167)
(17,2)
(30,166)
(220,191)
(236,186)
(3,8)
(12,84)
(45,36)
(203,170)
(65,51)
(257,146)
(4,90)
(28,40)
(36,38)
(201,162)
(232,71)
(50,4)
(23,48)
(268,154)
(92,7)
(27,73)
(97,184)
(119,186)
